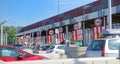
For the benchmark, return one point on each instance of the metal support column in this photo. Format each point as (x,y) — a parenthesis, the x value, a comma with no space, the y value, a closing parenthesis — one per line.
(83,31)
(6,37)
(46,40)
(1,35)
(109,19)
(1,24)
(67,40)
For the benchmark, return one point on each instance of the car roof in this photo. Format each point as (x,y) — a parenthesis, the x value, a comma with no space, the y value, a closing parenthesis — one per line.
(106,38)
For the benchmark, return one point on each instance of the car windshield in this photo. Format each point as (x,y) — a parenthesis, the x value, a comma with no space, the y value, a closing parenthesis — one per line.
(114,44)
(45,47)
(96,45)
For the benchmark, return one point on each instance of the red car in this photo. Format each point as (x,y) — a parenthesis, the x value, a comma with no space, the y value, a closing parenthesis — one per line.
(10,53)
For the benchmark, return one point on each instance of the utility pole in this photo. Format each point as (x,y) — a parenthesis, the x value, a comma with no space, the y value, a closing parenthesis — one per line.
(109,19)
(1,24)
(58,7)
(83,23)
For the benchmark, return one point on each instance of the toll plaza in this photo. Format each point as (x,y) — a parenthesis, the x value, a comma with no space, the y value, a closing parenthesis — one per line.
(77,26)
(74,27)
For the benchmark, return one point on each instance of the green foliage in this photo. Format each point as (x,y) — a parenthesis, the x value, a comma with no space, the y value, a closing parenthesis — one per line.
(11,32)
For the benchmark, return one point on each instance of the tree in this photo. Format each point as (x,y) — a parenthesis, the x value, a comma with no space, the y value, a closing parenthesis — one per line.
(11,32)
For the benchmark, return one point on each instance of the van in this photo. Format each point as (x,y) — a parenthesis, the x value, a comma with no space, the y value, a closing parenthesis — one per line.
(105,47)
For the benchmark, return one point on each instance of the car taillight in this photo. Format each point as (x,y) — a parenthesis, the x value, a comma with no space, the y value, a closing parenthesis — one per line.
(103,51)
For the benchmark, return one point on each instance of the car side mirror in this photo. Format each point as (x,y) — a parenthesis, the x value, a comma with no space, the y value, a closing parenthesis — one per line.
(20,56)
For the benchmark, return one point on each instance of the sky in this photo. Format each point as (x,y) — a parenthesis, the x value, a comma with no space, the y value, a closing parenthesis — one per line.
(26,12)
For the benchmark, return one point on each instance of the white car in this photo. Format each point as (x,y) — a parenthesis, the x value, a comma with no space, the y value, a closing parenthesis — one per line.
(106,47)
(58,49)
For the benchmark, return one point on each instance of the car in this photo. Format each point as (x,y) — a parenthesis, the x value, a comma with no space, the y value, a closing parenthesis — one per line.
(105,47)
(44,47)
(10,53)
(50,47)
(58,49)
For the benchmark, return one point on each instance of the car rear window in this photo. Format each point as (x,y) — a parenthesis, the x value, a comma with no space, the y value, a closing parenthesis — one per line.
(114,44)
(8,52)
(51,47)
(61,47)
(96,45)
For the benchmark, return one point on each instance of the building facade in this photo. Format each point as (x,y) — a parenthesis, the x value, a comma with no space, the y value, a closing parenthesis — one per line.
(78,26)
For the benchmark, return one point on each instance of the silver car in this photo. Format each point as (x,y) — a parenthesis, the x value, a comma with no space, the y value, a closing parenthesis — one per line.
(106,47)
(57,49)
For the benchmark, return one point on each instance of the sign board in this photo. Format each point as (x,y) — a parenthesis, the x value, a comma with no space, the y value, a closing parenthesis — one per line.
(51,32)
(66,22)
(76,26)
(57,24)
(98,22)
(60,29)
(56,31)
